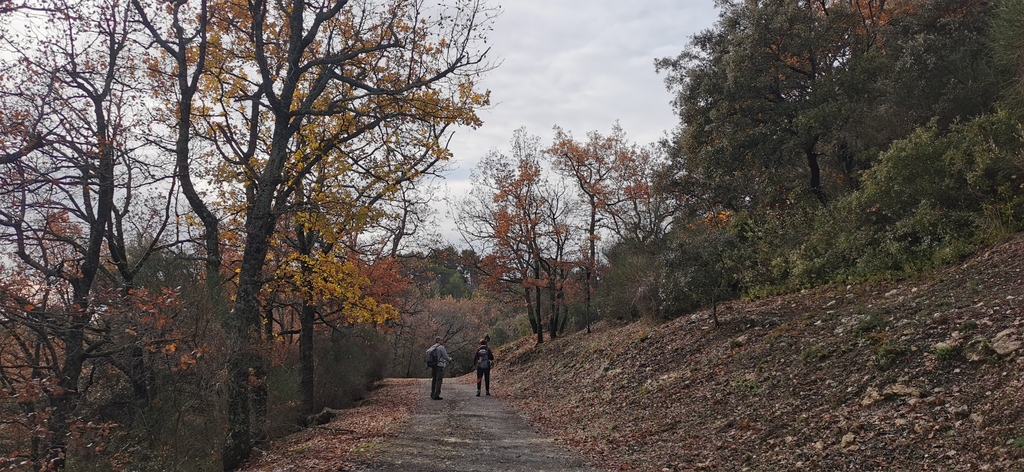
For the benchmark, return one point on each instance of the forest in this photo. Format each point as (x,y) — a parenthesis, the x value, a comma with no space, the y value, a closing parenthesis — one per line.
(217,215)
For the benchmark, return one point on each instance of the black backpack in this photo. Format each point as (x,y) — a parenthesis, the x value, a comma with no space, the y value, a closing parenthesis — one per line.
(432,356)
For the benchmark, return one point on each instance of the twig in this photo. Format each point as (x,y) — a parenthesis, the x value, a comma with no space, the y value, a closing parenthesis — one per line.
(337,430)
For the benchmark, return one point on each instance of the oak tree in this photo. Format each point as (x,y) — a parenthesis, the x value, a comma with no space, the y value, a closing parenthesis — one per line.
(366,77)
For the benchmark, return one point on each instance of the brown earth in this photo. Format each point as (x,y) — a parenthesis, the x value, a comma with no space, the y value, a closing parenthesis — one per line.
(914,375)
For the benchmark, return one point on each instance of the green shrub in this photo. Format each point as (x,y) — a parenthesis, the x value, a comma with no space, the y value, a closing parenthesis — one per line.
(630,288)
(945,353)
(701,267)
(870,321)
(887,352)
(930,200)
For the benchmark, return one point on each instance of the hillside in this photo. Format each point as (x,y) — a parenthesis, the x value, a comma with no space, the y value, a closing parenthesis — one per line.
(916,375)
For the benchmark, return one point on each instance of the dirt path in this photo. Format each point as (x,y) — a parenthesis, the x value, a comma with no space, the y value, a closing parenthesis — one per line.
(464,432)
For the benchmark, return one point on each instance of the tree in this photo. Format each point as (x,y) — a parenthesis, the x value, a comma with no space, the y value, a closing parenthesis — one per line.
(364,76)
(781,92)
(617,183)
(79,193)
(123,118)
(501,219)
(748,93)
(590,165)
(1008,41)
(561,242)
(336,204)
(181,33)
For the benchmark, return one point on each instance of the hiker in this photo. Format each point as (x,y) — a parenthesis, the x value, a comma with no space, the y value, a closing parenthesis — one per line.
(483,359)
(437,359)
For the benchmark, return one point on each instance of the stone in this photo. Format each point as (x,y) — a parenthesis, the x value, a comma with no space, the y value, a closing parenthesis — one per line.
(1006,342)
(870,396)
(901,390)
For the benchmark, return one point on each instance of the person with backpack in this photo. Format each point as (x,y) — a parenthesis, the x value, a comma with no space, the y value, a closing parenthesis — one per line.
(483,359)
(437,359)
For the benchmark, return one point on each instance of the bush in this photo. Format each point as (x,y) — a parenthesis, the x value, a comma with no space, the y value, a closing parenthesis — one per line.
(630,287)
(702,267)
(930,200)
(348,364)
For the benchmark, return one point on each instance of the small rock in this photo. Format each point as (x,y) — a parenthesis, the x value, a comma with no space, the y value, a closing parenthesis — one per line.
(870,396)
(848,439)
(1006,342)
(901,390)
(959,412)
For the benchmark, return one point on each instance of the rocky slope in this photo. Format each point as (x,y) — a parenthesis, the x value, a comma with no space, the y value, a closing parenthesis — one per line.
(913,375)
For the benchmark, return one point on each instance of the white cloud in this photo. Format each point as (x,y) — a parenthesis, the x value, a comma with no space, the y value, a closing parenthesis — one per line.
(581,65)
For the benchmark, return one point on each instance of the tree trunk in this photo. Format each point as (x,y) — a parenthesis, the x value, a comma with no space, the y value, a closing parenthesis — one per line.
(815,171)
(306,365)
(537,295)
(553,319)
(529,311)
(238,443)
(66,402)
(243,323)
(260,403)
(540,316)
(591,259)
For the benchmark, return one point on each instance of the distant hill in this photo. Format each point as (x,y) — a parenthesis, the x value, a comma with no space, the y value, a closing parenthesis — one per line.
(925,374)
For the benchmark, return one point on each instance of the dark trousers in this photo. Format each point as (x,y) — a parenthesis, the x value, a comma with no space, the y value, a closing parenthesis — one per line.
(435,382)
(486,375)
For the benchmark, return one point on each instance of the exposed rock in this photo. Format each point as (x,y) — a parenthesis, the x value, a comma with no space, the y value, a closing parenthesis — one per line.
(959,412)
(1006,342)
(978,350)
(740,341)
(900,390)
(871,396)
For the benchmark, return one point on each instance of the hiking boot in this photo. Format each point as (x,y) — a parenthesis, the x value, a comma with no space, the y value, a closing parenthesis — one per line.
(488,393)
(478,393)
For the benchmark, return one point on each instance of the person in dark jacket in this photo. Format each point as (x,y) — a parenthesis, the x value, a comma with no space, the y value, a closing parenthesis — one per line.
(483,359)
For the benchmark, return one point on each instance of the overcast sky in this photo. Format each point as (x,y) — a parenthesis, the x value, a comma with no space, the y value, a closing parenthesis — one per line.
(581,65)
